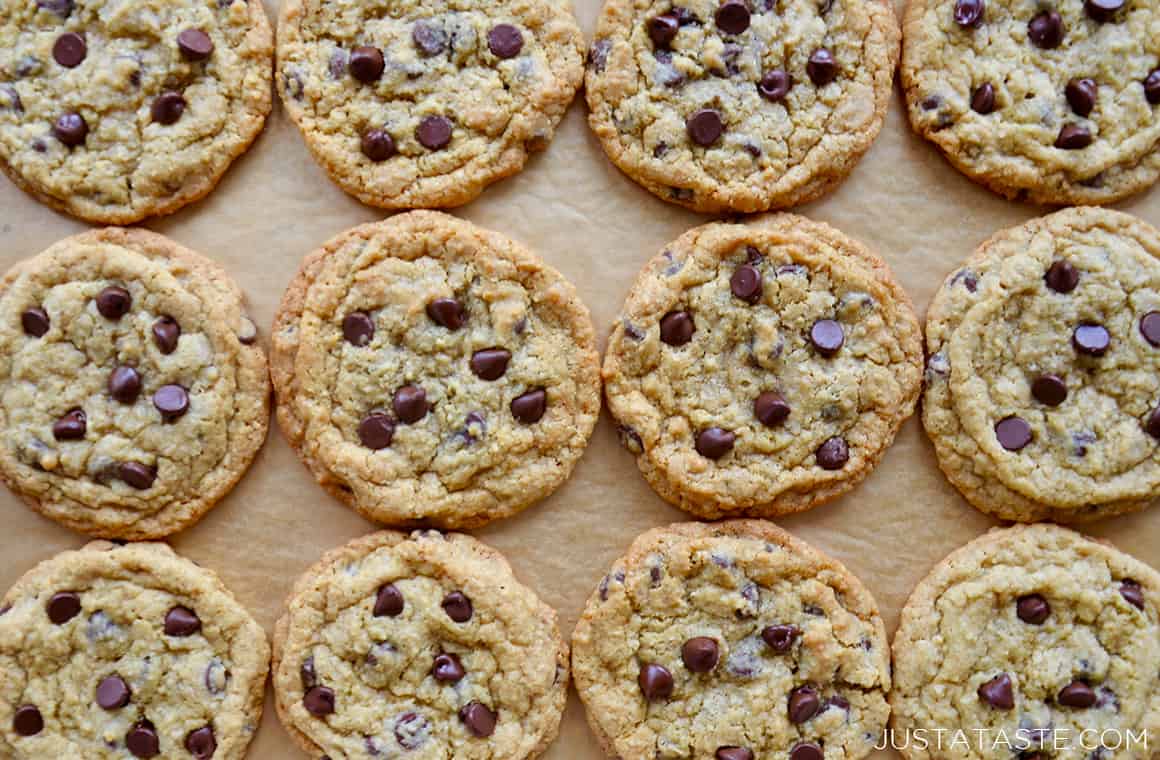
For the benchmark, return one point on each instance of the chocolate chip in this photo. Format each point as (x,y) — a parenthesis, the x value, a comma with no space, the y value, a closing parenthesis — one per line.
(458,607)
(732,16)
(446,312)
(662,29)
(1073,137)
(1077,694)
(201,743)
(677,328)
(1081,95)
(746,283)
(114,302)
(62,8)
(1091,339)
(124,384)
(410,404)
(319,701)
(168,107)
(1049,389)
(806,751)
(1152,87)
(434,132)
(1033,609)
(705,127)
(983,99)
(27,721)
(998,692)
(714,442)
(142,740)
(1150,327)
(376,431)
(63,607)
(969,12)
(478,719)
(71,129)
(307,675)
(529,407)
(827,336)
(1013,433)
(366,64)
(490,363)
(804,704)
(1102,10)
(172,401)
(833,454)
(69,50)
(700,654)
(1152,424)
(1046,30)
(35,322)
(655,682)
(181,621)
(1062,276)
(71,426)
(733,753)
(775,85)
(447,668)
(377,145)
(780,638)
(771,409)
(822,68)
(429,39)
(1132,592)
(113,693)
(389,601)
(505,41)
(358,328)
(194,44)
(137,475)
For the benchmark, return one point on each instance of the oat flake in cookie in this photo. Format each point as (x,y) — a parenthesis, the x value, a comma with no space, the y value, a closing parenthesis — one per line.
(115,652)
(423,645)
(414,104)
(115,111)
(430,371)
(740,105)
(1036,632)
(731,641)
(1041,396)
(132,394)
(762,368)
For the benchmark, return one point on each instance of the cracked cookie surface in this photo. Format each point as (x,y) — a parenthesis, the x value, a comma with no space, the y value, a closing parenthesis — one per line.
(738,105)
(132,395)
(762,368)
(112,652)
(115,111)
(1036,632)
(732,640)
(430,371)
(422,645)
(1049,102)
(411,104)
(1043,350)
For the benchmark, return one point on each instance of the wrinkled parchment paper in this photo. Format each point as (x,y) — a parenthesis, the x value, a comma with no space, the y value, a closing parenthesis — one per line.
(597,227)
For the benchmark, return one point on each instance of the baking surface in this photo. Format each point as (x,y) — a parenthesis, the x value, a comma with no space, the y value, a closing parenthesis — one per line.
(598,228)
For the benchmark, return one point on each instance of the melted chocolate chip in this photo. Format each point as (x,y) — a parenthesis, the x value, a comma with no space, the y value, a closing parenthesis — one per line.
(804,703)
(34,321)
(529,407)
(705,127)
(434,132)
(998,692)
(124,384)
(71,129)
(166,331)
(181,622)
(806,751)
(1081,95)
(771,409)
(662,29)
(114,302)
(1152,424)
(821,67)
(410,404)
(733,753)
(1013,433)
(1049,389)
(358,328)
(1150,327)
(1091,339)
(72,426)
(1062,276)
(827,336)
(1152,87)
(113,693)
(1102,11)
(1073,137)
(447,312)
(478,719)
(137,475)
(714,442)
(1046,30)
(168,107)
(366,64)
(429,39)
(27,721)
(377,145)
(700,654)
(1133,592)
(732,16)
(376,431)
(201,743)
(172,401)
(447,668)
(655,682)
(1077,694)
(833,454)
(389,601)
(746,283)
(69,50)
(319,701)
(505,41)
(983,99)
(1033,609)
(194,44)
(490,363)
(780,638)
(969,13)
(677,328)
(458,607)
(775,85)
(142,740)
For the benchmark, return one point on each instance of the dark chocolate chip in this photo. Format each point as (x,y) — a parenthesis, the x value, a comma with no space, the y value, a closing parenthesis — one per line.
(780,638)
(113,693)
(69,50)
(319,701)
(804,703)
(389,601)
(1073,137)
(1152,87)
(307,674)
(700,654)
(733,753)
(201,743)
(705,127)
(983,98)
(1152,424)
(1133,592)
(181,621)
(168,107)
(35,322)
(775,85)
(490,363)
(1013,433)
(505,41)
(806,751)
(821,67)
(72,426)
(114,302)
(732,16)
(998,692)
(124,384)
(478,719)
(62,8)
(377,144)
(376,431)
(1081,95)
(1062,276)
(714,442)
(662,29)
(1033,609)
(358,328)
(166,331)
(969,12)
(366,64)
(529,407)
(677,328)
(429,39)
(655,682)
(1049,389)
(410,404)
(1102,11)
(746,283)
(434,132)
(771,409)
(833,454)
(827,336)
(1046,30)
(447,668)
(142,740)
(63,607)
(1091,339)
(1150,327)
(172,401)
(195,44)
(447,312)
(458,607)
(27,721)
(1077,694)
(137,475)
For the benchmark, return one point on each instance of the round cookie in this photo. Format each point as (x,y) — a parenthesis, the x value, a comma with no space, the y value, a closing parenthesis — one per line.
(1036,634)
(113,112)
(132,394)
(422,643)
(1052,102)
(722,105)
(762,368)
(1043,350)
(111,652)
(432,372)
(410,104)
(732,641)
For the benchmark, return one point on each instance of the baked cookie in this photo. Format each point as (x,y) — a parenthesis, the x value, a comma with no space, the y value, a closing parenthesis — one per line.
(432,372)
(1036,634)
(132,394)
(740,105)
(1044,348)
(423,644)
(762,368)
(1053,102)
(424,103)
(732,641)
(112,652)
(115,111)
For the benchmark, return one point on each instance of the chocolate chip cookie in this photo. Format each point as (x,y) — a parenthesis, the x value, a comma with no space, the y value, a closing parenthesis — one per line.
(731,641)
(1054,102)
(1036,633)
(113,651)
(1041,397)
(424,644)
(114,111)
(762,368)
(132,394)
(742,105)
(432,372)
(410,104)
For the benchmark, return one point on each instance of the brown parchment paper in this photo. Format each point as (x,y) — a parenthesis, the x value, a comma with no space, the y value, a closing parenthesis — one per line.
(597,227)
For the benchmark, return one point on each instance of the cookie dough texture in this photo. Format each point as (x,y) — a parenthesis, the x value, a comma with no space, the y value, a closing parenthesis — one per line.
(1010,147)
(666,396)
(501,109)
(197,457)
(178,684)
(770,154)
(130,166)
(468,460)
(961,628)
(379,667)
(996,326)
(728,582)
